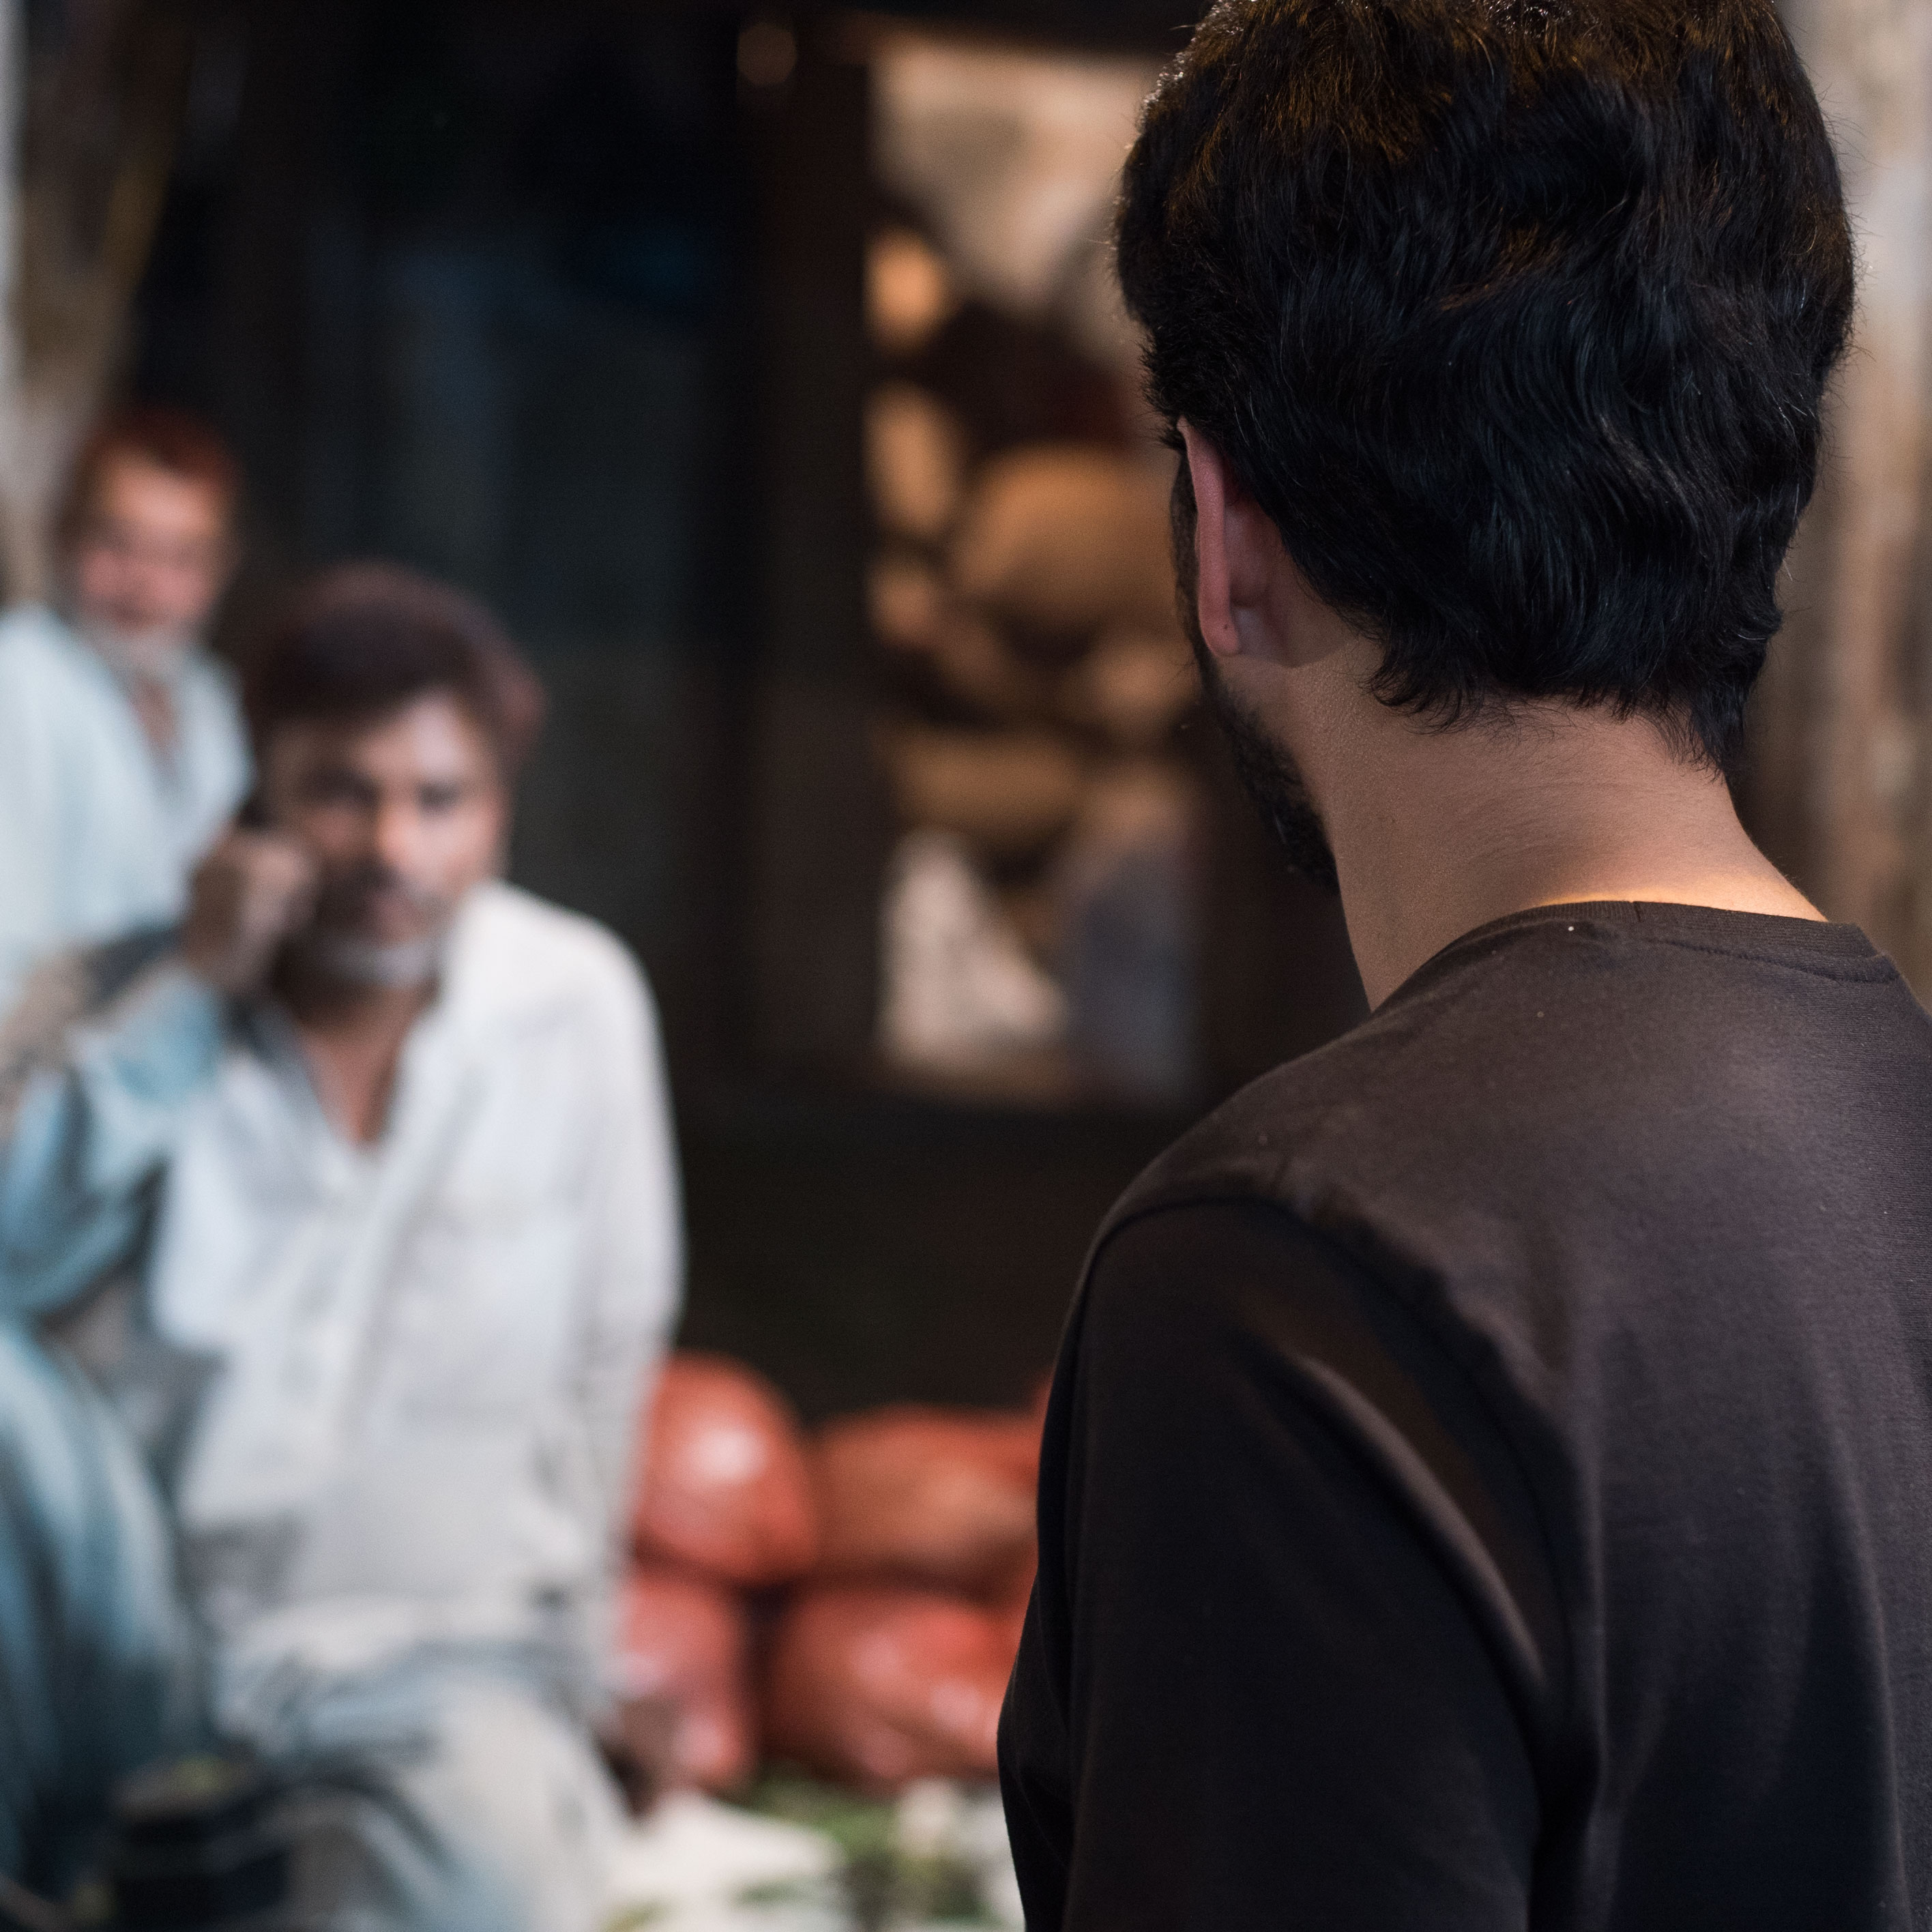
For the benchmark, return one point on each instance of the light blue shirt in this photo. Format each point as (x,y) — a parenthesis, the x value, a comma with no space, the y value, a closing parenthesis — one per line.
(98,833)
(96,1657)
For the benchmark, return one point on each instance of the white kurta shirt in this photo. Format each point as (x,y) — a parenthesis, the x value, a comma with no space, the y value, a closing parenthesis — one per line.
(98,834)
(430,1352)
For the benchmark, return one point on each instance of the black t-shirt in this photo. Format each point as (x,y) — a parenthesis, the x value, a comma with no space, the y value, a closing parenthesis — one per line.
(1488,1480)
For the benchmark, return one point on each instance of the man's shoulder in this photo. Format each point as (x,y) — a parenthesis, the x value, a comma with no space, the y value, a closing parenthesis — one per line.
(1569,1047)
(39,654)
(521,957)
(1537,1132)
(33,628)
(1311,1109)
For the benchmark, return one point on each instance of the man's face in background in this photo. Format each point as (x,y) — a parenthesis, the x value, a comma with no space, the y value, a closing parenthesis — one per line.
(149,561)
(403,815)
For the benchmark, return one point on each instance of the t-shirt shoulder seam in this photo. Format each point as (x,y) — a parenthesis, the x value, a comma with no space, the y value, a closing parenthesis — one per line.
(1872,968)
(1436,974)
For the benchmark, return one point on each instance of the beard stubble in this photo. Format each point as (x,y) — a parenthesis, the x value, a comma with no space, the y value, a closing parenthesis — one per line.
(1266,773)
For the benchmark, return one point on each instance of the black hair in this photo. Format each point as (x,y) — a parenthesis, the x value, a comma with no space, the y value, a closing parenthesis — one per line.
(362,640)
(1515,316)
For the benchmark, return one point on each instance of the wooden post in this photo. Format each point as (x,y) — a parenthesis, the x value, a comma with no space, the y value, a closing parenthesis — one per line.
(819,827)
(90,123)
(1841,789)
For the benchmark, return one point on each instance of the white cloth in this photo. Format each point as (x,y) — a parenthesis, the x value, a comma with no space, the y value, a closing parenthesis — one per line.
(431,1351)
(470,1805)
(98,833)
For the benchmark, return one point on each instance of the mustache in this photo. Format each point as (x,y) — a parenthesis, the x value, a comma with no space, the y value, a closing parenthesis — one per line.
(347,891)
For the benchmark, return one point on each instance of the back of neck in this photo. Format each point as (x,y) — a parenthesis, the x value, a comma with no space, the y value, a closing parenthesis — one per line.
(1437,831)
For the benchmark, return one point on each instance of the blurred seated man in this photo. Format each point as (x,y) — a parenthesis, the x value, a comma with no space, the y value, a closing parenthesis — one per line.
(121,753)
(387,1141)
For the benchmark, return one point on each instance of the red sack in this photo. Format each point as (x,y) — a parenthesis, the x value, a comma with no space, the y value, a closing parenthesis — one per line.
(878,1685)
(934,1495)
(686,1640)
(725,1490)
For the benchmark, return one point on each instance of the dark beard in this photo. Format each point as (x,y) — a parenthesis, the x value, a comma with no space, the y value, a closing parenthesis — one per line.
(1270,777)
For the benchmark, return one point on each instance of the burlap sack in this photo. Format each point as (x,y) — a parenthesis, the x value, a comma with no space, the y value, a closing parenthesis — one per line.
(726,1491)
(684,1639)
(931,1495)
(877,1685)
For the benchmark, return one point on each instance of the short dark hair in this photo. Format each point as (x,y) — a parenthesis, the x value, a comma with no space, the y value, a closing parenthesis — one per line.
(156,433)
(362,640)
(1515,318)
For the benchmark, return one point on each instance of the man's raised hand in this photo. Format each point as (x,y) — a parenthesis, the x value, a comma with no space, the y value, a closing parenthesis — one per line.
(249,894)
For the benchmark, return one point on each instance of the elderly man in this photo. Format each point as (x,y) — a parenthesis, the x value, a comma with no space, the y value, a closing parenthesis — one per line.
(385,1141)
(122,755)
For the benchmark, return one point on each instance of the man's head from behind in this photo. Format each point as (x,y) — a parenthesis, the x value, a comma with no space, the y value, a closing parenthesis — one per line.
(146,533)
(1514,319)
(389,715)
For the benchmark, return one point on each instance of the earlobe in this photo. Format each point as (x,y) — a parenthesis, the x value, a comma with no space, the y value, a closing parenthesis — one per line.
(1212,578)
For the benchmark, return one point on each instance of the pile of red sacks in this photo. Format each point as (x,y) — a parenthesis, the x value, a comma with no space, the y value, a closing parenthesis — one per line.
(850,1601)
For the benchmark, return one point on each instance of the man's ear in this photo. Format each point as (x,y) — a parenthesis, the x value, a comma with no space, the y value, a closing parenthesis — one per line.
(1237,552)
(1207,470)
